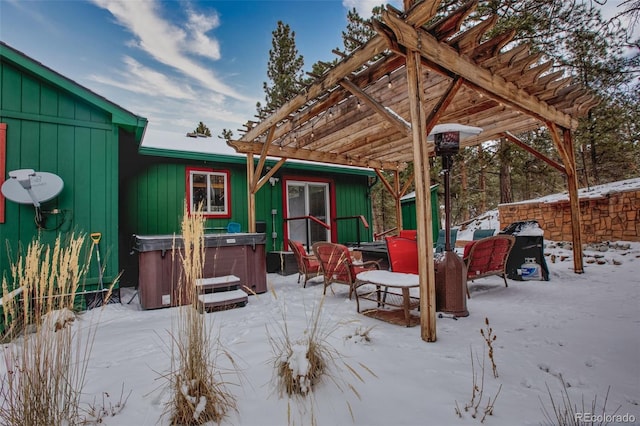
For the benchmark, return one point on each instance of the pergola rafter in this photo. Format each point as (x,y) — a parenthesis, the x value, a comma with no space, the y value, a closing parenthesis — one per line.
(375,107)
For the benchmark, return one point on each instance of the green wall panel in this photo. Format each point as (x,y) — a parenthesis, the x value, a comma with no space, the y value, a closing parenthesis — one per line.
(51,130)
(10,97)
(155,196)
(30,96)
(409,219)
(48,101)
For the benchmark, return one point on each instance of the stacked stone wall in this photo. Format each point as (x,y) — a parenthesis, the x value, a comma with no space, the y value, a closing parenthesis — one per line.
(615,216)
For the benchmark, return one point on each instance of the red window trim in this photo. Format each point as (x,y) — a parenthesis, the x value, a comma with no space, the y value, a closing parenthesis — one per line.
(227,174)
(3,166)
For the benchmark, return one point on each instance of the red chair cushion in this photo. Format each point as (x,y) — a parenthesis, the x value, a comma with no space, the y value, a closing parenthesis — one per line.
(403,254)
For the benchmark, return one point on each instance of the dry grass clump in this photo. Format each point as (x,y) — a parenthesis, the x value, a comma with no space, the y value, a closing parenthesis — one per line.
(199,394)
(46,367)
(301,365)
(564,412)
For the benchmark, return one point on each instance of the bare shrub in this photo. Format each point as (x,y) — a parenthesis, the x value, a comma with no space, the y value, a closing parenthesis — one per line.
(361,334)
(489,338)
(475,406)
(98,411)
(565,413)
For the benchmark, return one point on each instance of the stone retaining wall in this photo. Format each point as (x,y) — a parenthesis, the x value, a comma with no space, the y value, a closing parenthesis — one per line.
(615,216)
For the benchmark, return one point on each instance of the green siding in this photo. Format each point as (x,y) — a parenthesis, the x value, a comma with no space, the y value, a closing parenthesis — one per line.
(352,200)
(409,220)
(64,129)
(155,198)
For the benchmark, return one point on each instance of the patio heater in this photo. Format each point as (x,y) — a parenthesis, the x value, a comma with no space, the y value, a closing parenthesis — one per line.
(451,279)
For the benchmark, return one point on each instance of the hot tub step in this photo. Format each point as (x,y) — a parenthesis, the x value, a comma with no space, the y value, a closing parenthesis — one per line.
(222,300)
(214,284)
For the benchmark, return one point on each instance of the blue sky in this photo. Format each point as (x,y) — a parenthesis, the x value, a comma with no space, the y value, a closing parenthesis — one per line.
(174,62)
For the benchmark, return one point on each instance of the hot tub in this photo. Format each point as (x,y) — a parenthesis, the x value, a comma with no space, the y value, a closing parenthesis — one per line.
(239,254)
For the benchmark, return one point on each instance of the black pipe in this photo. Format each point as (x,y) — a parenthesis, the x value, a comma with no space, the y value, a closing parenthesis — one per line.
(447,162)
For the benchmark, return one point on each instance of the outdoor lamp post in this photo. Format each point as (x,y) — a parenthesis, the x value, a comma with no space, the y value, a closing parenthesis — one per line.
(450,275)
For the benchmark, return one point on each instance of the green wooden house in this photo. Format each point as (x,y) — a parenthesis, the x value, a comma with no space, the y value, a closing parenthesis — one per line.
(50,123)
(154,193)
(118,188)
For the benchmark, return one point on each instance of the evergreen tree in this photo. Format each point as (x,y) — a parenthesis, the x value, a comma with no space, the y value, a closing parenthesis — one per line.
(576,37)
(202,129)
(359,30)
(284,70)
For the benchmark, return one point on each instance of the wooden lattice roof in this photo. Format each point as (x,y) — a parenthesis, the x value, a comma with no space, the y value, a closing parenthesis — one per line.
(357,113)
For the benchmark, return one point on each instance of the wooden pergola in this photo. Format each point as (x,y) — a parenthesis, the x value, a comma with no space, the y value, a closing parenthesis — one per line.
(377,105)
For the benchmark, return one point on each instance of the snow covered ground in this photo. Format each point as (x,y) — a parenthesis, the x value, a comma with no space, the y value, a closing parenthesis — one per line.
(583,327)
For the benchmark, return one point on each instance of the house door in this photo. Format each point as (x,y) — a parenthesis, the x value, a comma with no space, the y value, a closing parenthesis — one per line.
(308,199)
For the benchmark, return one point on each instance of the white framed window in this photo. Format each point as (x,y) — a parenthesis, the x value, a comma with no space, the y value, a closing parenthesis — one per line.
(210,189)
(308,199)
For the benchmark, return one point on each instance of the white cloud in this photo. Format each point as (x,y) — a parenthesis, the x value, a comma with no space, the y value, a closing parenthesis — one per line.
(169,44)
(144,80)
(198,42)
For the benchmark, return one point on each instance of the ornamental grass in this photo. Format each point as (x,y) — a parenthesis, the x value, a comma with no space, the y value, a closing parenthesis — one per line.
(199,393)
(46,361)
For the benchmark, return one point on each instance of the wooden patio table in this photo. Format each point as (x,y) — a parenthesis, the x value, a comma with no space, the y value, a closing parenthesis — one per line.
(389,280)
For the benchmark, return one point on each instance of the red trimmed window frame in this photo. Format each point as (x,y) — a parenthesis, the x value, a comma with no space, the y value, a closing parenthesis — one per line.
(227,190)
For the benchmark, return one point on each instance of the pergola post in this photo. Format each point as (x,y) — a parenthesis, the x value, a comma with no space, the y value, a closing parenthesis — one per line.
(423,200)
(251,195)
(568,156)
(574,200)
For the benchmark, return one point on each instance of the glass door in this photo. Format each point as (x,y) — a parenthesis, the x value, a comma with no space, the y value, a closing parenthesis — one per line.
(308,199)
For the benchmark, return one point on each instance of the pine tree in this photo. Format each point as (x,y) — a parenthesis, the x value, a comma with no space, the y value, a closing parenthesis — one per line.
(575,36)
(202,129)
(359,30)
(284,70)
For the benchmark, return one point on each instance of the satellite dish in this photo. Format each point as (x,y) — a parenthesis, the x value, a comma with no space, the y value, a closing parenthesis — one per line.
(26,186)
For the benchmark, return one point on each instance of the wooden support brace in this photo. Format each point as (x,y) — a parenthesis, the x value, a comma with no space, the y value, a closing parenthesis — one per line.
(566,151)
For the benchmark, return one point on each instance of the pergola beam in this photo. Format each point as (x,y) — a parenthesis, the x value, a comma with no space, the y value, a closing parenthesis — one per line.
(534,152)
(401,125)
(304,154)
(360,57)
(261,161)
(416,39)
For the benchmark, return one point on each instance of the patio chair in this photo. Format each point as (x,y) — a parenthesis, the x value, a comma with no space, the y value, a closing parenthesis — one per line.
(411,234)
(441,242)
(308,265)
(479,234)
(337,265)
(403,254)
(488,256)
